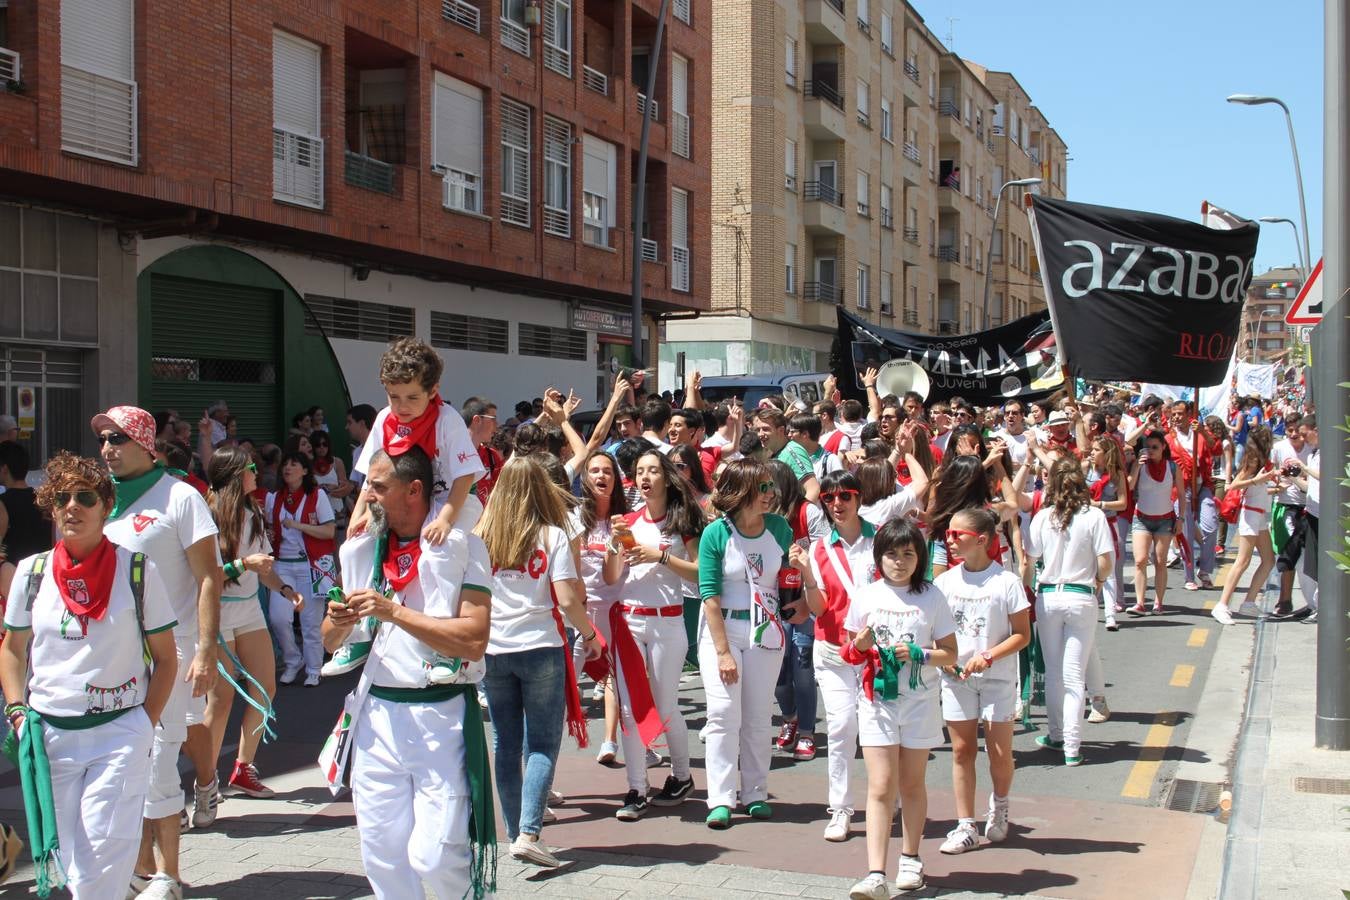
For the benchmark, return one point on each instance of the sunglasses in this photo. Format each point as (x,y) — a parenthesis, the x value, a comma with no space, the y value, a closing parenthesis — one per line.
(252,467)
(889,417)
(87,499)
(954,533)
(768,487)
(843,496)
(116,438)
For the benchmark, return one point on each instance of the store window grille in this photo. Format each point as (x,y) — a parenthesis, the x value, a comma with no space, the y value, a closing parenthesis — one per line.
(357,320)
(553,343)
(459,332)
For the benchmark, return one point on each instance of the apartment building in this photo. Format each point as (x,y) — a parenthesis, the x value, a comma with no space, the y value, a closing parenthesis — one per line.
(1025,146)
(248,200)
(1264,337)
(856,165)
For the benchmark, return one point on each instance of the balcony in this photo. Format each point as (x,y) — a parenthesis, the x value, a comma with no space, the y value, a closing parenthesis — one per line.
(10,69)
(515,36)
(911,236)
(909,248)
(462,13)
(823,212)
(369,173)
(911,152)
(949,195)
(912,70)
(949,259)
(911,317)
(679,269)
(822,292)
(824,112)
(595,80)
(949,119)
(825,23)
(297,168)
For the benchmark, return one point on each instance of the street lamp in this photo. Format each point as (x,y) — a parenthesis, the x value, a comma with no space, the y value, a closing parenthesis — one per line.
(1254,100)
(1297,246)
(998,201)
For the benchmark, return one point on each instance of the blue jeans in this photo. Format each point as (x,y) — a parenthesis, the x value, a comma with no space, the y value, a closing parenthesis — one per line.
(525,697)
(796,690)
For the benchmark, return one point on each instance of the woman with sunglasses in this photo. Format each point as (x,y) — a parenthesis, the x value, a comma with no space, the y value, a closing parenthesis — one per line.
(741,637)
(659,544)
(302,529)
(243,628)
(833,569)
(330,474)
(78,691)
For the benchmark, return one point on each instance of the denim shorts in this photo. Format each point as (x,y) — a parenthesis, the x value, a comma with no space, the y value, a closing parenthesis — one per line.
(1154,526)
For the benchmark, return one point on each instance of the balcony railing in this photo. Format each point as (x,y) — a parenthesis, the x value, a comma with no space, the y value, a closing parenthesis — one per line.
(822,292)
(595,80)
(1035,154)
(949,108)
(790,182)
(680,142)
(823,90)
(912,70)
(912,235)
(865,27)
(368,172)
(837,4)
(297,168)
(864,118)
(996,129)
(515,37)
(864,209)
(462,13)
(911,152)
(946,326)
(558,59)
(98,116)
(826,193)
(911,317)
(886,309)
(887,219)
(679,269)
(9,66)
(651,251)
(948,254)
(642,107)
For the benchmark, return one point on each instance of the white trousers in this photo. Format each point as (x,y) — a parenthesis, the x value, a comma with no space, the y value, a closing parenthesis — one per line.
(597,613)
(100,776)
(739,732)
(280,613)
(165,794)
(411,794)
(840,686)
(664,643)
(1067,624)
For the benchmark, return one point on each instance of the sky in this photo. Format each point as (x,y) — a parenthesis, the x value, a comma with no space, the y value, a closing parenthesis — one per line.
(1136,90)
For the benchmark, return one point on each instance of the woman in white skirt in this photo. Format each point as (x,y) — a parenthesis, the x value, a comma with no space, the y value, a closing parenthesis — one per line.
(1253,478)
(77,688)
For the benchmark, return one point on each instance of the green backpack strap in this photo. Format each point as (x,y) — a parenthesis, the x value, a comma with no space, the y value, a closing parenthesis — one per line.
(35,578)
(138,593)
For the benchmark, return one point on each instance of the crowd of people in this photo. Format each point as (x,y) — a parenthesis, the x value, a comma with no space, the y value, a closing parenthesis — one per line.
(888,564)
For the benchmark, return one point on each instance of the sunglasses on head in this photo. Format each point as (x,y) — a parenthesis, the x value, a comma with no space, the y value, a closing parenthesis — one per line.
(832,496)
(767,487)
(87,499)
(116,438)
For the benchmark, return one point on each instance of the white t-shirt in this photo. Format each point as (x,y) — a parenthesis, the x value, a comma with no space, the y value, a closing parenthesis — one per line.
(898,616)
(522,599)
(292,539)
(982,605)
(86,666)
(163,523)
(1281,453)
(1016,443)
(456,455)
(729,560)
(652,584)
(594,552)
(442,571)
(888,508)
(250,543)
(1070,557)
(1314,504)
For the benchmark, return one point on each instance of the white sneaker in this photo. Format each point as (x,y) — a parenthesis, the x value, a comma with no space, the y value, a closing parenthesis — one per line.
(961,838)
(548,816)
(535,852)
(910,876)
(138,885)
(1100,711)
(482,697)
(312,679)
(996,822)
(873,887)
(608,752)
(555,798)
(204,803)
(841,822)
(598,692)
(289,674)
(654,759)
(1222,615)
(162,887)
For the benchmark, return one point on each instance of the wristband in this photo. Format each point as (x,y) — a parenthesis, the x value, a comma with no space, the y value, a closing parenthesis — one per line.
(665,557)
(285,588)
(587,640)
(926,655)
(234,568)
(12,708)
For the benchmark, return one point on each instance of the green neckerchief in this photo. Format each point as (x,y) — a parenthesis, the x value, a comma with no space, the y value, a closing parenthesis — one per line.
(35,775)
(129,490)
(886,681)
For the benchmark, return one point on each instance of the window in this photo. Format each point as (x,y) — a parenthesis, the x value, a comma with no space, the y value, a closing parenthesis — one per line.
(515,163)
(864,193)
(864,286)
(886,120)
(514,33)
(48,277)
(682,11)
(967,111)
(887,216)
(679,240)
(98,79)
(557,177)
(864,17)
(887,35)
(297,149)
(598,170)
(885,287)
(790,269)
(360,320)
(864,102)
(790,63)
(457,332)
(553,343)
(790,165)
(679,104)
(558,36)
(457,142)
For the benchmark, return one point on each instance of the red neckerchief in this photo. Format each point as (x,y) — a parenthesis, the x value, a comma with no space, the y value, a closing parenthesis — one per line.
(400,437)
(85,586)
(1156,470)
(284,499)
(1098,487)
(400,563)
(323,465)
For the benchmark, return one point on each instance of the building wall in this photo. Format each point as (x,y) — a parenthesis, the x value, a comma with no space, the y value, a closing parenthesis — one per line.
(1264,336)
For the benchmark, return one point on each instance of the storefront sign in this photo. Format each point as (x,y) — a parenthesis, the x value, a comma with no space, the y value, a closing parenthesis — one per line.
(27,410)
(602,320)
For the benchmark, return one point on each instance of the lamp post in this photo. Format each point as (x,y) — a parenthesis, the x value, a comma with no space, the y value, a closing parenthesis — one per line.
(998,202)
(1302,264)
(640,185)
(1254,100)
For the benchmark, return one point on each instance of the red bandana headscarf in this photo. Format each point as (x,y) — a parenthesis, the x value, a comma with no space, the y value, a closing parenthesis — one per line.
(400,563)
(400,437)
(85,586)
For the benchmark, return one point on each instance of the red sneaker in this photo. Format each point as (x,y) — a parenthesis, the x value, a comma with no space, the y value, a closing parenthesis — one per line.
(806,749)
(787,736)
(245,780)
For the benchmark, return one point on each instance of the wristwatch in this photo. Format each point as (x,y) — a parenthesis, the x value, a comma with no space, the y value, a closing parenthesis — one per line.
(988,657)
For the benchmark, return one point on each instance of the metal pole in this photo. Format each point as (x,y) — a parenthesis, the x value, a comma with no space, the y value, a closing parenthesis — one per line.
(640,186)
(989,273)
(1302,203)
(1332,730)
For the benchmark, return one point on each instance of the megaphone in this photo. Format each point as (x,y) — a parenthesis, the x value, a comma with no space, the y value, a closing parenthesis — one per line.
(901,375)
(626,372)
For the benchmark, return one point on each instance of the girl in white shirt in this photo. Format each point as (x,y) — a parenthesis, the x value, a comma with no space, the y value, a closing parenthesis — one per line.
(1151,483)
(1253,478)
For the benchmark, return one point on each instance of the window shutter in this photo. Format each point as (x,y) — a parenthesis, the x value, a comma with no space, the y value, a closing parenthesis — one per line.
(98,79)
(599,173)
(515,134)
(679,218)
(457,137)
(97,36)
(295,85)
(679,83)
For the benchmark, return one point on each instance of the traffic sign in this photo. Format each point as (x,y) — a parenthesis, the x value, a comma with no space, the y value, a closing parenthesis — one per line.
(1307,306)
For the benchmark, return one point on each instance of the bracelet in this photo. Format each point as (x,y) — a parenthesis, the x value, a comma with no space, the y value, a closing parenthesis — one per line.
(286,587)
(233,568)
(926,655)
(665,557)
(587,640)
(12,708)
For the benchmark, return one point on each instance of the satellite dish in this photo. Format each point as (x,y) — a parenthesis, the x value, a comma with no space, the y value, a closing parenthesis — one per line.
(901,375)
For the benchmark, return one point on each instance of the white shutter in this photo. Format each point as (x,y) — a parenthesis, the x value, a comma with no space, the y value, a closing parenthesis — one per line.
(457,123)
(98,36)
(515,134)
(295,84)
(595,170)
(98,86)
(679,83)
(679,240)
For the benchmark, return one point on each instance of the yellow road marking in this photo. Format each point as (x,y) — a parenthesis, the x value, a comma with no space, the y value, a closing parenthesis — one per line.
(1139,784)
(1210,604)
(1198,637)
(1182,675)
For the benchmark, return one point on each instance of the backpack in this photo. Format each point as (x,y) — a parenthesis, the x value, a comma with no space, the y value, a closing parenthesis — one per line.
(137,591)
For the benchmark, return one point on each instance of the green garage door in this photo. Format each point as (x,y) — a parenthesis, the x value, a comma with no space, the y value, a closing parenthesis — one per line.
(214,341)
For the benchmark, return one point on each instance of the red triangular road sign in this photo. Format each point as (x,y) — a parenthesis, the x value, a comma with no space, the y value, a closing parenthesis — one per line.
(1307,306)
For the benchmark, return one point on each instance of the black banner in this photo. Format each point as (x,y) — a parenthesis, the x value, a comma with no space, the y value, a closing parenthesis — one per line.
(1137,296)
(986,368)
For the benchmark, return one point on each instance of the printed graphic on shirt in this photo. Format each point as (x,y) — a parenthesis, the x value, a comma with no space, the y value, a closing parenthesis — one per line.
(67,618)
(107,699)
(140,522)
(756,563)
(969,623)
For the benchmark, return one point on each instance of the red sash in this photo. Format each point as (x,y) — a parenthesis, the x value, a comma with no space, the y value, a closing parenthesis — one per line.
(315,548)
(633,668)
(576,718)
